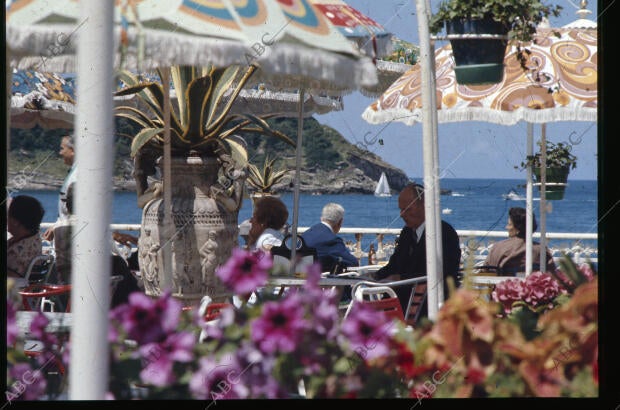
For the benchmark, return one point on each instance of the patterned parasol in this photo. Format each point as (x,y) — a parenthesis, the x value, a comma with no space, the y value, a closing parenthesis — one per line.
(560,84)
(293,44)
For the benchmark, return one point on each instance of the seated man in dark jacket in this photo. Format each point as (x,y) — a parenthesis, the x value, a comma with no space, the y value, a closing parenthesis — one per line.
(331,250)
(409,258)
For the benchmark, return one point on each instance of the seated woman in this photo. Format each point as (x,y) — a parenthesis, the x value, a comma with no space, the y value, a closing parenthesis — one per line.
(269,217)
(509,255)
(25,214)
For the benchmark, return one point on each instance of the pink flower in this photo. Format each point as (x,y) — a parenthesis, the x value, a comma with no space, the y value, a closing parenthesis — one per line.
(160,358)
(148,320)
(508,292)
(12,330)
(368,331)
(280,325)
(245,271)
(537,289)
(540,289)
(218,380)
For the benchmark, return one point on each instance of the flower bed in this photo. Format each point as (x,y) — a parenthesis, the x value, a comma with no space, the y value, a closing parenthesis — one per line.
(297,345)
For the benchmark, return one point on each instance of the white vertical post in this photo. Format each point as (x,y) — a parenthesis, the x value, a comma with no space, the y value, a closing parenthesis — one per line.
(543,199)
(91,263)
(433,242)
(529,202)
(166,276)
(298,151)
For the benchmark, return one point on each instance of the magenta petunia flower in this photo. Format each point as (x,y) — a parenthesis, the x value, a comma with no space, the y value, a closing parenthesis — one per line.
(245,271)
(368,331)
(148,320)
(217,380)
(38,332)
(12,330)
(160,357)
(280,325)
(29,384)
(257,372)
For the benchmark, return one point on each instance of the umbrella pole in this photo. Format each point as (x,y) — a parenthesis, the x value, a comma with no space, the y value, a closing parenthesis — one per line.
(543,199)
(298,149)
(529,203)
(434,274)
(166,276)
(91,241)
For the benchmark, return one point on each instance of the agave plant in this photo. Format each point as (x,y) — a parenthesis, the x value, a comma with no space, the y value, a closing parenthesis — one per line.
(200,118)
(264,180)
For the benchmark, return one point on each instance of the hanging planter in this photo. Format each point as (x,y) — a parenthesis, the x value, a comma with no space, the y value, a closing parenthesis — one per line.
(555,182)
(478,60)
(559,161)
(479,31)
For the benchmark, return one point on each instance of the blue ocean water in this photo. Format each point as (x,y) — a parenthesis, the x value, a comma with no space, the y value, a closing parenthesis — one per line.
(476,204)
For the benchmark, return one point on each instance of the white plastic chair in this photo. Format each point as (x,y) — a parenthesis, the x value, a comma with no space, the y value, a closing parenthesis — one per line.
(377,292)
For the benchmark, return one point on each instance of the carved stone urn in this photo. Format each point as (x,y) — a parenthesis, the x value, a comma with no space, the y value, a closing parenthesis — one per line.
(206,196)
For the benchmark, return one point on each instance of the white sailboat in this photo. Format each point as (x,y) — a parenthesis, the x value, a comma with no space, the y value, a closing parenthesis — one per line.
(383,187)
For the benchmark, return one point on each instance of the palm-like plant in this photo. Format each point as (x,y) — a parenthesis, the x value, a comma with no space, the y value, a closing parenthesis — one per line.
(201,120)
(264,180)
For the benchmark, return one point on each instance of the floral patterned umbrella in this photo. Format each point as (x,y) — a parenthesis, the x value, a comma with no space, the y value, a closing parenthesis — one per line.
(559,84)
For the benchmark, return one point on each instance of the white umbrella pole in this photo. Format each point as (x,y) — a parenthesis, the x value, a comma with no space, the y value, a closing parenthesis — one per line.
(91,261)
(166,276)
(436,179)
(529,202)
(543,199)
(434,275)
(298,150)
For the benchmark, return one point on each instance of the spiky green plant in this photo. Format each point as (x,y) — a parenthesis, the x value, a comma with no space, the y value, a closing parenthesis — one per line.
(200,116)
(264,180)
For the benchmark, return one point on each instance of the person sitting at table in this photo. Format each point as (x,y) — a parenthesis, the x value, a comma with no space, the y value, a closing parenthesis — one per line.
(409,257)
(508,255)
(331,250)
(24,218)
(268,219)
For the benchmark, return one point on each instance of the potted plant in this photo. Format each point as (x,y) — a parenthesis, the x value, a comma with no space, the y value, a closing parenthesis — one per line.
(559,162)
(208,171)
(263,180)
(481,60)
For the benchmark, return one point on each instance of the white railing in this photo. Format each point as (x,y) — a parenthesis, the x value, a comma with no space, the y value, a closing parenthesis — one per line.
(581,247)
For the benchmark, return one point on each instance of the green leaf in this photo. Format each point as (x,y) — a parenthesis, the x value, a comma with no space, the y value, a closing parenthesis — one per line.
(196,95)
(143,137)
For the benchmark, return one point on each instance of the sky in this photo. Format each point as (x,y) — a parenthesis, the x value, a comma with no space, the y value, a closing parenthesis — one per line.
(466,149)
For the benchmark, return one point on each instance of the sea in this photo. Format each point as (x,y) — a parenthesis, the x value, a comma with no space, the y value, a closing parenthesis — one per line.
(472,204)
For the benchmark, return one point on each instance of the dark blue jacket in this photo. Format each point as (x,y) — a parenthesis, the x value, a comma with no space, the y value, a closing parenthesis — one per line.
(330,248)
(409,260)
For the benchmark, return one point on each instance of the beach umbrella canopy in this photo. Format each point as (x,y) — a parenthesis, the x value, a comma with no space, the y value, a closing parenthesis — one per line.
(48,100)
(282,37)
(370,36)
(393,56)
(41,99)
(558,82)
